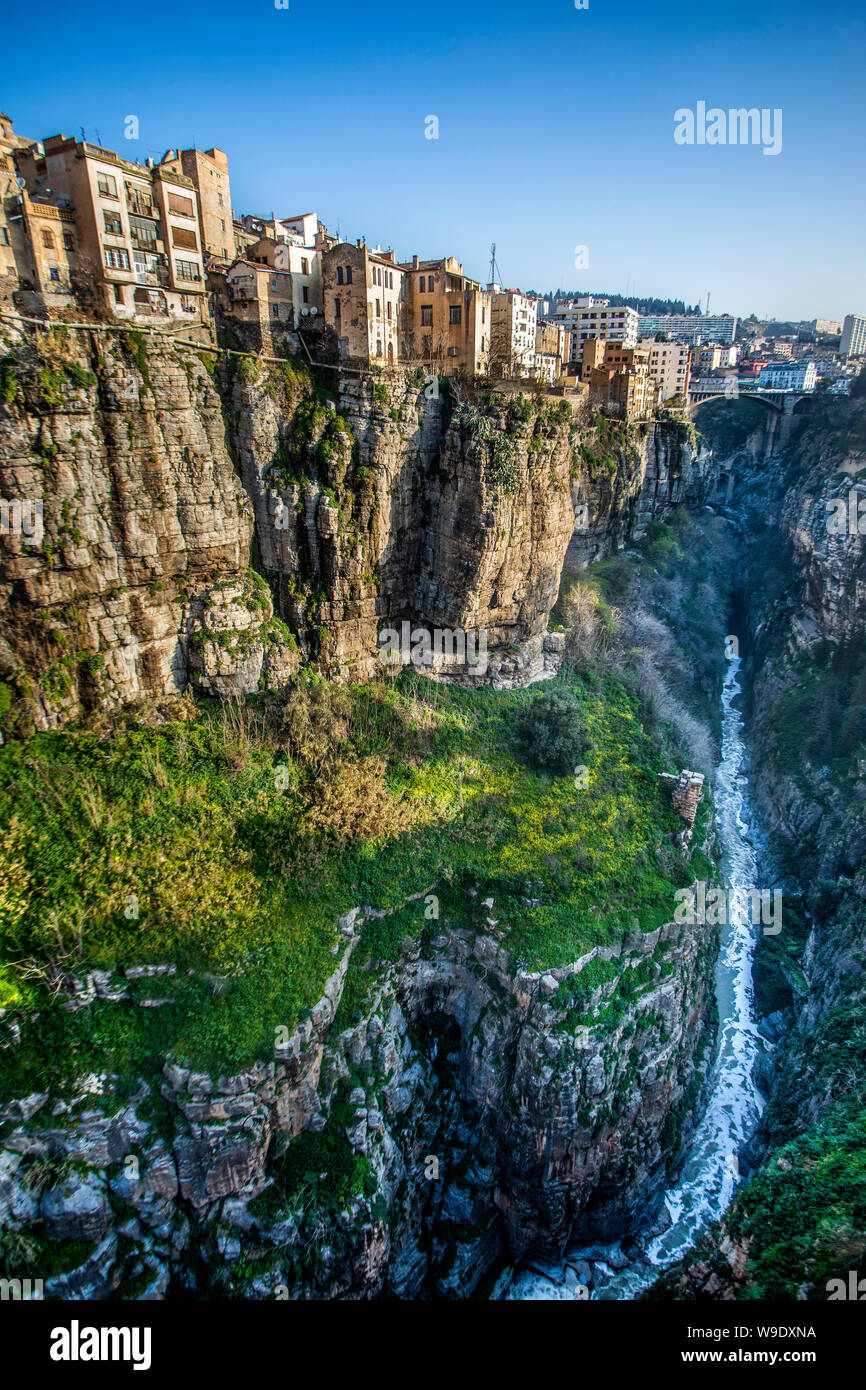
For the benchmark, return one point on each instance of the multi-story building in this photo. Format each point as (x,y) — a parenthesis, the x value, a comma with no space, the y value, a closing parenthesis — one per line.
(512,337)
(550,340)
(208,171)
(826,328)
(364,302)
(690,328)
(669,366)
(592,317)
(619,378)
(789,376)
(135,228)
(853,343)
(447,317)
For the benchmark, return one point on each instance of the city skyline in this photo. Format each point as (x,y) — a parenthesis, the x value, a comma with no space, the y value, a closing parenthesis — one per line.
(555,138)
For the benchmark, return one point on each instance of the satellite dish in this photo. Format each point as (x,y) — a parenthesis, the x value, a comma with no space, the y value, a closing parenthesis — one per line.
(20,181)
(304,312)
(314,311)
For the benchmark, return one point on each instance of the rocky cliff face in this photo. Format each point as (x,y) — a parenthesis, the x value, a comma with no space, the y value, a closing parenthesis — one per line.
(488,1110)
(162,479)
(800,620)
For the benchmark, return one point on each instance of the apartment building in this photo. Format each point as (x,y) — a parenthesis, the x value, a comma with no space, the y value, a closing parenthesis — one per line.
(364,302)
(619,379)
(208,171)
(690,328)
(826,328)
(853,342)
(550,347)
(512,337)
(669,366)
(789,376)
(593,317)
(135,228)
(447,316)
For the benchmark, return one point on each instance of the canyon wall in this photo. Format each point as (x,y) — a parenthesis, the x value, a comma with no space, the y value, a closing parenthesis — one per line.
(169,485)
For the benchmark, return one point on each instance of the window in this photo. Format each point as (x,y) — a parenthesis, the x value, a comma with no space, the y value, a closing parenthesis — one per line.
(426,315)
(348,275)
(116,258)
(339,275)
(275,308)
(422,284)
(336,308)
(182,206)
(112,223)
(4,237)
(184,238)
(106,185)
(47,239)
(68,241)
(118,294)
(187,270)
(305,266)
(274,282)
(220,197)
(54,273)
(378,309)
(389,308)
(141,229)
(305,294)
(390,279)
(222,225)
(455,313)
(427,344)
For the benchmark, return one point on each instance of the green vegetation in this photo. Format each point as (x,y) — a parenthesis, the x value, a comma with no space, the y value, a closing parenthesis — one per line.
(242,836)
(553,731)
(804,1214)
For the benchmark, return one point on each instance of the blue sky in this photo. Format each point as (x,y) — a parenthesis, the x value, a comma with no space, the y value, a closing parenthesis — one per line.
(555,130)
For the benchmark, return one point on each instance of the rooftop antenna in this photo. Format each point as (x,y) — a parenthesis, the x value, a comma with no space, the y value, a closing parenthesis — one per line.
(495,278)
(707,310)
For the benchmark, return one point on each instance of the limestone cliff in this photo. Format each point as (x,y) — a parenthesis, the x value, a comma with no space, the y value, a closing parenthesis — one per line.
(164,478)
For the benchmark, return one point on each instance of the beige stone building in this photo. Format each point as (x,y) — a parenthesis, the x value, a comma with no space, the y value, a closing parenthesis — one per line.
(669,366)
(137,241)
(208,171)
(364,302)
(448,317)
(619,378)
(259,306)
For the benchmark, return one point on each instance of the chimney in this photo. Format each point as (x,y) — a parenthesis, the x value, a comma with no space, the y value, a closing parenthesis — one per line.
(415,262)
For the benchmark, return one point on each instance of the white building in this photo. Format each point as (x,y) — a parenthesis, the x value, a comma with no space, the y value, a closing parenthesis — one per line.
(690,328)
(853,342)
(669,365)
(512,332)
(591,317)
(789,376)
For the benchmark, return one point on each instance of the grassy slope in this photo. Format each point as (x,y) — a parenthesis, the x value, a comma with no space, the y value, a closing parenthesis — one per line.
(232,885)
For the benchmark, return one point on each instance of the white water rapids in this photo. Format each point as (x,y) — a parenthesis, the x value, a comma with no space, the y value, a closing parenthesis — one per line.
(710,1171)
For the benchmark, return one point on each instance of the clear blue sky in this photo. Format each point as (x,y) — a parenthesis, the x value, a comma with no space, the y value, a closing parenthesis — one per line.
(555,130)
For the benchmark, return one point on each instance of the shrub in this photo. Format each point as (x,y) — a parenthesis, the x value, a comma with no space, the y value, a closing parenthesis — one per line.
(553,731)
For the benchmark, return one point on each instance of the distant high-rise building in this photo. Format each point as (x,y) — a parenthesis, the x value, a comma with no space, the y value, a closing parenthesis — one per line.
(690,328)
(853,342)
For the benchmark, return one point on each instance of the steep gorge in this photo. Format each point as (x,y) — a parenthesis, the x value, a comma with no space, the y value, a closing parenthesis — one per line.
(477,1066)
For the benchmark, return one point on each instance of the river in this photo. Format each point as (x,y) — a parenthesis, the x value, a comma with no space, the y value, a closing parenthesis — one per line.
(709,1173)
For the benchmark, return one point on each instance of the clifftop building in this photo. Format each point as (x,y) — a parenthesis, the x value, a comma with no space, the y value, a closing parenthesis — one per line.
(447,318)
(130,233)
